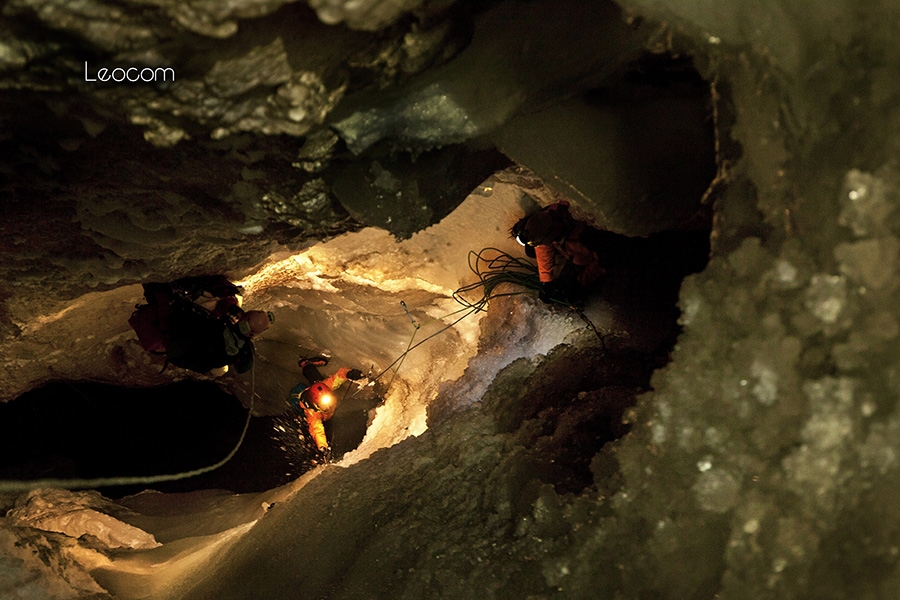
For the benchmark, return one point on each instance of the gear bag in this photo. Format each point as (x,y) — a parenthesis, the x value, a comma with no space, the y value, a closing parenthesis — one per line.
(145,323)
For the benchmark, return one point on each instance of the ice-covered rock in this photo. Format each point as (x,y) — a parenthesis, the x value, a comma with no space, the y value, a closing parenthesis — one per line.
(370,15)
(77,514)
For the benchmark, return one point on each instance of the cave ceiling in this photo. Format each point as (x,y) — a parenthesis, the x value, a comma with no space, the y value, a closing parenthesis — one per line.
(147,141)
(261,125)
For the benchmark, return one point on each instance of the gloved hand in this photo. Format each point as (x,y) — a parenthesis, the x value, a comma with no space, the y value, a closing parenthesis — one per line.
(547,290)
(355,374)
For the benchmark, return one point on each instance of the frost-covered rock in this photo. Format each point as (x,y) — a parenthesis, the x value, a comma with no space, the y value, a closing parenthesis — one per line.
(369,15)
(77,514)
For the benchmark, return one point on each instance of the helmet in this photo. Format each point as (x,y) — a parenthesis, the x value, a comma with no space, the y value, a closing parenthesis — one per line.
(518,232)
(255,322)
(320,396)
(542,228)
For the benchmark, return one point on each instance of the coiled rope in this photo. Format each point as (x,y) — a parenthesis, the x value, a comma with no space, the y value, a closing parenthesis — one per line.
(492,267)
(494,271)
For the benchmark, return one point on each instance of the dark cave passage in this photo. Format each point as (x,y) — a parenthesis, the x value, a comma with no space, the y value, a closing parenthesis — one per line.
(730,431)
(81,430)
(72,429)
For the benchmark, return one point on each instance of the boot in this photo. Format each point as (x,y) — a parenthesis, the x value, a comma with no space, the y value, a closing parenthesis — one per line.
(317,361)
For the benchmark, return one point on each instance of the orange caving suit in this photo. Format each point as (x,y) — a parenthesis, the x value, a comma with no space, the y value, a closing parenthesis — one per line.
(571,248)
(315,419)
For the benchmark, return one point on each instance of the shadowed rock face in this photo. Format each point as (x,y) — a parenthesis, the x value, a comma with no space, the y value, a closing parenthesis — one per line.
(233,141)
(761,455)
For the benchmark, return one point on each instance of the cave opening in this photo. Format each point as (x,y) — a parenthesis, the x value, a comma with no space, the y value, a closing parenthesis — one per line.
(87,430)
(96,431)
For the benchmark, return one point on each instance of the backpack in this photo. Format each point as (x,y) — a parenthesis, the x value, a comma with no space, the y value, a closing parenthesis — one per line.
(196,339)
(145,323)
(193,338)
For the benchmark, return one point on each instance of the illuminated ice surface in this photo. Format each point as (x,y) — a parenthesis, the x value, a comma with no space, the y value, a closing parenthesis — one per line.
(346,293)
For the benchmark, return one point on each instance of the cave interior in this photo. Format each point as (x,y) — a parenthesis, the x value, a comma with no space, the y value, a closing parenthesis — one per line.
(356,233)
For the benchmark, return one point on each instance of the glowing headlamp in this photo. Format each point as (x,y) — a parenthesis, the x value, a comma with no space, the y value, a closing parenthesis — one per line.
(519,233)
(326,399)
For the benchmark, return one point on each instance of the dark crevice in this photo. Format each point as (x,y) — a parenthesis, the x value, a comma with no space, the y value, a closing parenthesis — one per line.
(572,408)
(66,430)
(87,430)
